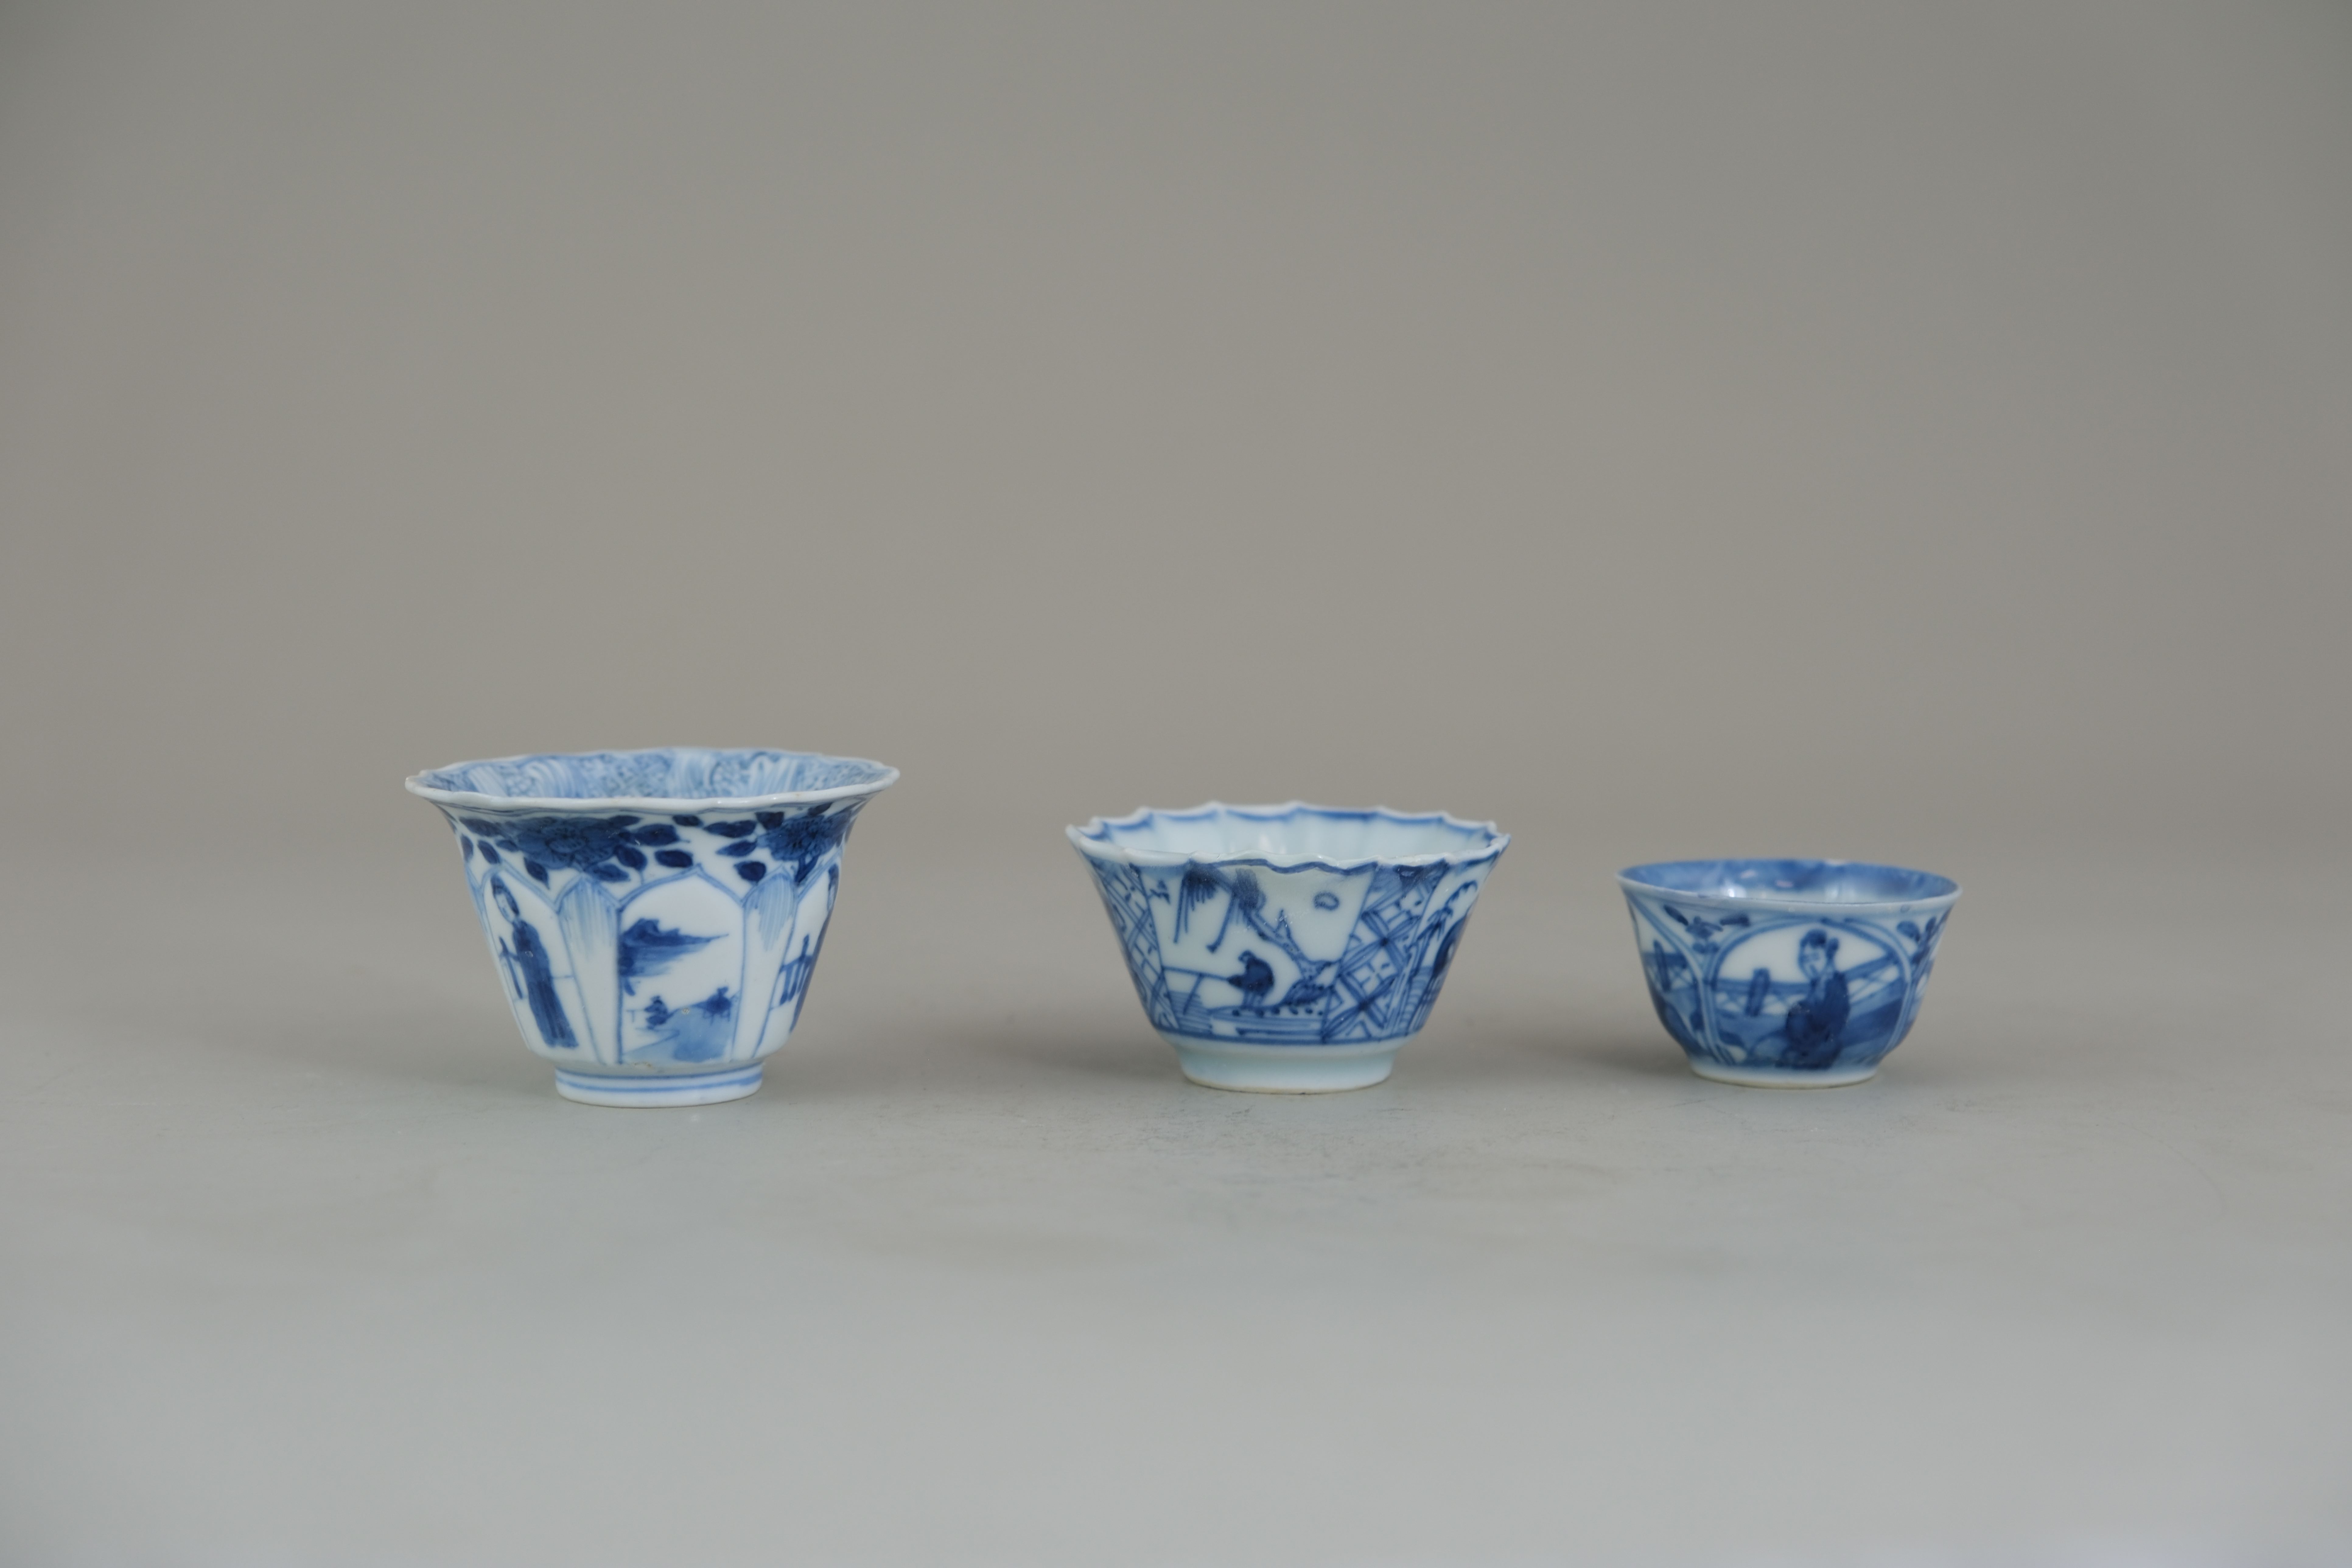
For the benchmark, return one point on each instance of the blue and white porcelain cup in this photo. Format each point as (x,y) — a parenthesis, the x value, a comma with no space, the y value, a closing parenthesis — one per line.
(654,915)
(1288,949)
(1787,973)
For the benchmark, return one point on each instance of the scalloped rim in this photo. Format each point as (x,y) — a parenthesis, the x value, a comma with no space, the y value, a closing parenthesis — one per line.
(470,800)
(1629,881)
(1091,841)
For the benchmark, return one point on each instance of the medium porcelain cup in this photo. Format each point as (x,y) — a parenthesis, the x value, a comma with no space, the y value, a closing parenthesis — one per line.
(1787,973)
(654,915)
(1288,949)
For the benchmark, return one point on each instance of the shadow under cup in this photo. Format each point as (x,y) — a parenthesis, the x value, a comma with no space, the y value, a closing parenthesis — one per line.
(655,916)
(1787,973)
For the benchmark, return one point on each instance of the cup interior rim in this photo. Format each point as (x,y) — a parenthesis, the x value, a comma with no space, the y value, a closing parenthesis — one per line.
(1094,839)
(420,786)
(1653,877)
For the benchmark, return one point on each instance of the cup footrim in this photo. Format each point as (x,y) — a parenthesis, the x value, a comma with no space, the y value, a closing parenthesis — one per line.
(1284,1070)
(1783,1078)
(671,1089)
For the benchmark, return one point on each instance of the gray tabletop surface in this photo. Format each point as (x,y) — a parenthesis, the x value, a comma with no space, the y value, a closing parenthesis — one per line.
(1914,433)
(302,1258)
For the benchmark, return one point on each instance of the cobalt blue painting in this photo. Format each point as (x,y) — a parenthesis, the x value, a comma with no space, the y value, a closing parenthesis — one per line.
(1787,970)
(644,924)
(1289,926)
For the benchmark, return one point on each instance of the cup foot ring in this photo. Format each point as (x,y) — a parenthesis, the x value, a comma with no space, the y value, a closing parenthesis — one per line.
(1783,1078)
(1284,1070)
(646,1090)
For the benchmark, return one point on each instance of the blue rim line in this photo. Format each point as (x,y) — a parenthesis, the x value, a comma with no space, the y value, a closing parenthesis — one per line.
(671,1084)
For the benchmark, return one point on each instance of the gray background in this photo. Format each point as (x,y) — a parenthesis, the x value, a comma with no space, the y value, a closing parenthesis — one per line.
(1902,432)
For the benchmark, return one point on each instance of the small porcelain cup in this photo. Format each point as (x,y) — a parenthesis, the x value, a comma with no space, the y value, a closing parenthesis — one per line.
(654,915)
(1288,949)
(1787,973)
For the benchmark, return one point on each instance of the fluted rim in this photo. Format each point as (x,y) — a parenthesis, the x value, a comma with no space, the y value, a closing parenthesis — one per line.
(1094,839)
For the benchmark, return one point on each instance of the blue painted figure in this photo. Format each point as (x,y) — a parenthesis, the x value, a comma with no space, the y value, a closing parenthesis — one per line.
(1254,981)
(1816,1022)
(528,969)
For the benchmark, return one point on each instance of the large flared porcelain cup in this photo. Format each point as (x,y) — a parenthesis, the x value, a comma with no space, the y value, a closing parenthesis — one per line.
(1787,973)
(1290,949)
(655,916)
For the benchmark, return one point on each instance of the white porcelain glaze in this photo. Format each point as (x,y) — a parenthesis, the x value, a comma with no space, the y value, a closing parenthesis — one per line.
(655,916)
(1288,949)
